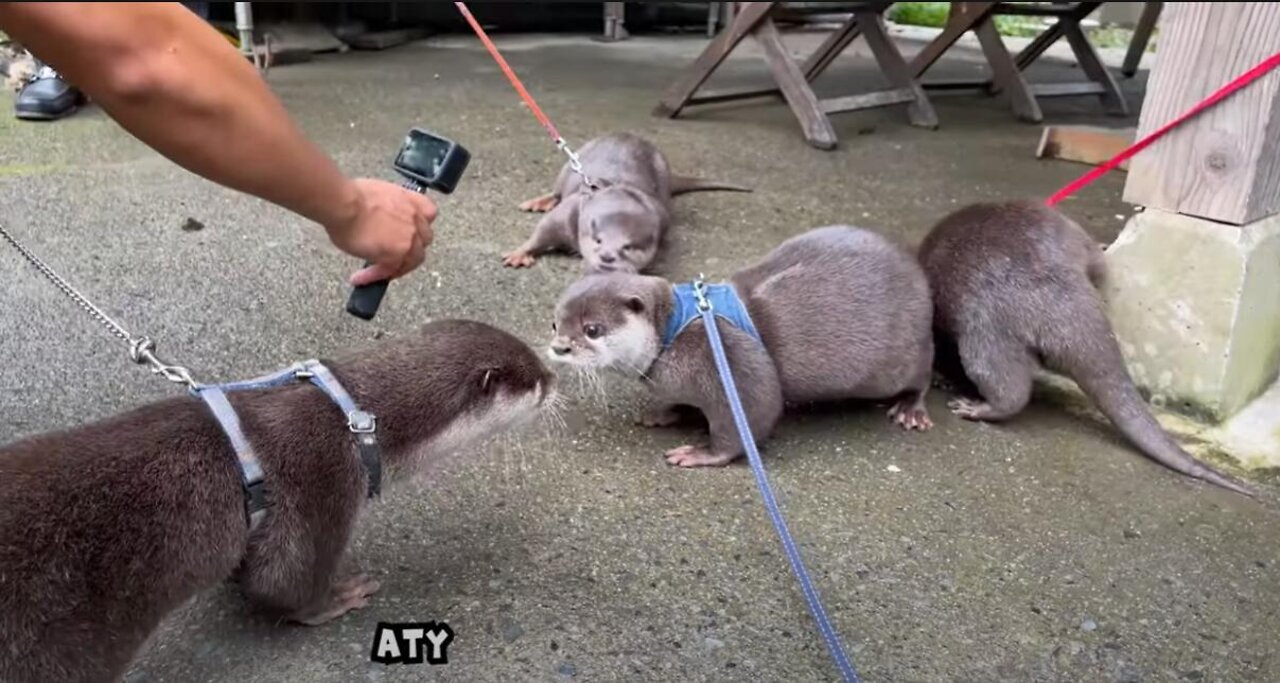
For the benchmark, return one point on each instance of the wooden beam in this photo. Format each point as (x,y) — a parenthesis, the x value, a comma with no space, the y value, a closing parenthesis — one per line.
(697,73)
(870,100)
(1141,38)
(919,112)
(1084,144)
(804,104)
(1067,89)
(1223,165)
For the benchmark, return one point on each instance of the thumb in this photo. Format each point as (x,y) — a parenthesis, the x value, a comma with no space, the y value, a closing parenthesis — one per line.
(371,274)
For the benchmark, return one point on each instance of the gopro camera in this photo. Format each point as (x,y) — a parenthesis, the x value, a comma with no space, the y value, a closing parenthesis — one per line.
(427,161)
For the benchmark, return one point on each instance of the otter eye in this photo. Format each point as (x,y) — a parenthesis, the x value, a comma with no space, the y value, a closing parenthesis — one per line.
(628,247)
(553,326)
(593,331)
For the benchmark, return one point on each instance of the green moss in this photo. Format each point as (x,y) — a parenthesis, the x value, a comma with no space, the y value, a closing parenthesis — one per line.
(16,170)
(932,14)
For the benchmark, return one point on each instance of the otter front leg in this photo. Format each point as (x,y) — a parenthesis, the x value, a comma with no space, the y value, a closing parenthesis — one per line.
(556,230)
(291,567)
(344,596)
(759,389)
(541,204)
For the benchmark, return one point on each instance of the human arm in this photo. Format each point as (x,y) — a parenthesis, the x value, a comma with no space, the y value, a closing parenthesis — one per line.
(177,85)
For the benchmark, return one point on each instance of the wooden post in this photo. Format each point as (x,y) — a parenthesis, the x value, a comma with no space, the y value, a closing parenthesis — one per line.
(1223,165)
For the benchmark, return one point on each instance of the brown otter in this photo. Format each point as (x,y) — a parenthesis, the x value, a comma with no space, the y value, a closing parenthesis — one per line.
(106,528)
(827,332)
(1014,287)
(621,225)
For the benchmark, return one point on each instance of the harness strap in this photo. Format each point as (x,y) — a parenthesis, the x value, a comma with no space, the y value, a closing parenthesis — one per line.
(362,424)
(255,501)
(726,304)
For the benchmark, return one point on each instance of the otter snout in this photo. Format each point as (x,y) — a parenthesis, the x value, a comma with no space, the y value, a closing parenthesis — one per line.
(560,348)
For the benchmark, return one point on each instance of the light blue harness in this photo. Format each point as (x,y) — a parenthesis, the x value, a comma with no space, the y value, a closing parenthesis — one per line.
(724,301)
(362,424)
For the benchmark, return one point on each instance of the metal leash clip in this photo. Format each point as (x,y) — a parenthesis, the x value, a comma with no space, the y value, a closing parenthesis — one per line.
(576,164)
(143,352)
(700,292)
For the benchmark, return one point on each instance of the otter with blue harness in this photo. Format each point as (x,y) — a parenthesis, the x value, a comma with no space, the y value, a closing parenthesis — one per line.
(835,313)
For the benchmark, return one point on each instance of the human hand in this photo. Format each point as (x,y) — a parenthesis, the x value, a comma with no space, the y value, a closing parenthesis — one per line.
(390,228)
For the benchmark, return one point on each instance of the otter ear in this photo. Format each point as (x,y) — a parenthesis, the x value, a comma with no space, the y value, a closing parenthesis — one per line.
(635,304)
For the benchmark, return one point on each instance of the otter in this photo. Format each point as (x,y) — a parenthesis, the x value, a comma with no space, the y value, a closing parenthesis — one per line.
(1014,287)
(108,527)
(621,225)
(835,313)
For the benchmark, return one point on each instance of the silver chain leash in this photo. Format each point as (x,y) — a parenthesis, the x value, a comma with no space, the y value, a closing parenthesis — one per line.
(141,349)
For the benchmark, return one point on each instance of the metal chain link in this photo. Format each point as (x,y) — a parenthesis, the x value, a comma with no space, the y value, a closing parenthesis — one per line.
(141,349)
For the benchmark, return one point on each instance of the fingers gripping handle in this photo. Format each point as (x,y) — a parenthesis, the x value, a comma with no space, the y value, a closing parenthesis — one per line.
(365,299)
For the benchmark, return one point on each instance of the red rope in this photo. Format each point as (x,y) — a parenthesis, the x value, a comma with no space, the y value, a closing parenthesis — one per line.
(511,75)
(1245,79)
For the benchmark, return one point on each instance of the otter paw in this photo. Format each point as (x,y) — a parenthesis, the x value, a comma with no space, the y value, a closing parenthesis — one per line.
(664,416)
(518,259)
(344,596)
(911,416)
(697,456)
(541,204)
(969,409)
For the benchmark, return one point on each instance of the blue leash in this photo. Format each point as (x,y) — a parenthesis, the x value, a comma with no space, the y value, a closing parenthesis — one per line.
(757,467)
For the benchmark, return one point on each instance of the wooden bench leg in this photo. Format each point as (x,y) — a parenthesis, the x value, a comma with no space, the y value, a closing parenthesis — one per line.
(697,73)
(920,112)
(831,48)
(964,16)
(1005,74)
(1141,37)
(804,104)
(1112,99)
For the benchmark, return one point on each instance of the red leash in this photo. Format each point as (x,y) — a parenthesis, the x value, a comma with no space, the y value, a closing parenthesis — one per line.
(1245,79)
(574,163)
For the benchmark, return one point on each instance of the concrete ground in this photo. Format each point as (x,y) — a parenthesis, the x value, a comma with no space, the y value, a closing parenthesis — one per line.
(1043,550)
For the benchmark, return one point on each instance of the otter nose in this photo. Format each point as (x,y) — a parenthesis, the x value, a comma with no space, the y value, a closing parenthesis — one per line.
(560,349)
(607,257)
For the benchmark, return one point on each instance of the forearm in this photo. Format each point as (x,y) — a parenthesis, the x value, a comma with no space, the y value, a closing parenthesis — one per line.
(180,87)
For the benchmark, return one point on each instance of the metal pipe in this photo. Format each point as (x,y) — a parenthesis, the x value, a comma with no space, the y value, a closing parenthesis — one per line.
(244,27)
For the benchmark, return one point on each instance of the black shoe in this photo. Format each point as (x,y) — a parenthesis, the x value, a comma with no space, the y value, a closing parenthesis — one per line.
(47,97)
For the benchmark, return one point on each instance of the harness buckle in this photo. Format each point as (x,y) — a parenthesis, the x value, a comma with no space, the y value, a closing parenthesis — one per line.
(361,422)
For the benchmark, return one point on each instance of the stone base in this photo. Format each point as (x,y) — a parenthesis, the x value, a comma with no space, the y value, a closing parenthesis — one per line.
(1196,307)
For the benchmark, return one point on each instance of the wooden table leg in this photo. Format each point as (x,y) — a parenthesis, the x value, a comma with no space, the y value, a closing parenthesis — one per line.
(920,112)
(1032,52)
(697,73)
(1141,37)
(964,16)
(1112,99)
(804,104)
(1005,74)
(831,48)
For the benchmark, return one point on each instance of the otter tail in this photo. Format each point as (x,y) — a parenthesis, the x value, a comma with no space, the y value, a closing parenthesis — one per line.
(1085,348)
(682,184)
